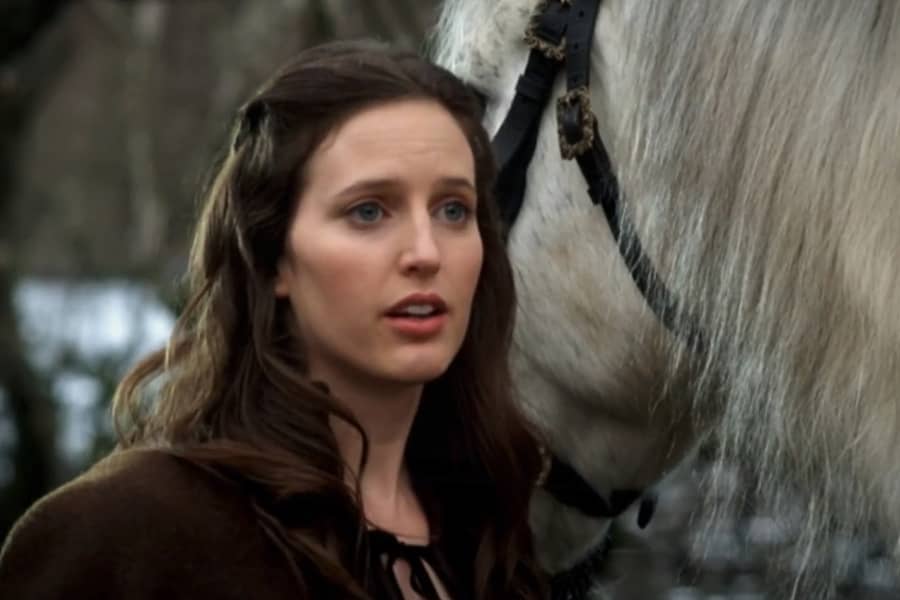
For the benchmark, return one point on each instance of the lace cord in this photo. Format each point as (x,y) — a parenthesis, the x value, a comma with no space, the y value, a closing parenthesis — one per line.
(385,546)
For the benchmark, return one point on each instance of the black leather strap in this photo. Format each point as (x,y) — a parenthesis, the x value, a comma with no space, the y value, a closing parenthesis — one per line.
(603,188)
(514,146)
(570,488)
(515,141)
(579,38)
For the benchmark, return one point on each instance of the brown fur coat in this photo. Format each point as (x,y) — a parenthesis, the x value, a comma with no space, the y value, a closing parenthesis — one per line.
(142,524)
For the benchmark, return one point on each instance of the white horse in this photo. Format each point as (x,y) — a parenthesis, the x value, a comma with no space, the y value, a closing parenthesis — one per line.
(757,147)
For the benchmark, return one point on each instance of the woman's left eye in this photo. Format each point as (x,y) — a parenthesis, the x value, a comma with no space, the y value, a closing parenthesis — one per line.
(454,212)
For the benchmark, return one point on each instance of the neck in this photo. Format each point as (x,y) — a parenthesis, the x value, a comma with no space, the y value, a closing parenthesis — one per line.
(386,414)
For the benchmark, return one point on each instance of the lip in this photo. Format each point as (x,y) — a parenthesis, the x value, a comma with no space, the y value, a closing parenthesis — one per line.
(418,327)
(419,298)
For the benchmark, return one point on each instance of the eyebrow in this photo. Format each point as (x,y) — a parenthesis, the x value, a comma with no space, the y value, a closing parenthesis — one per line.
(367,185)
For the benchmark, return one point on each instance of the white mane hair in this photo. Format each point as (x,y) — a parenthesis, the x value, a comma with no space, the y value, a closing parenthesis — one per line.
(757,145)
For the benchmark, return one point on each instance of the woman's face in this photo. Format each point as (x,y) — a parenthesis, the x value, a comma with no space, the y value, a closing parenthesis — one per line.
(383,254)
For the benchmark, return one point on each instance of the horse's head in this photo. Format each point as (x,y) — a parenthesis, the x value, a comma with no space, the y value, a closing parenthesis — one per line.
(588,359)
(755,144)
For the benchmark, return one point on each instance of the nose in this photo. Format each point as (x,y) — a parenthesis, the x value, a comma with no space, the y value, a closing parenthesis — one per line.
(422,253)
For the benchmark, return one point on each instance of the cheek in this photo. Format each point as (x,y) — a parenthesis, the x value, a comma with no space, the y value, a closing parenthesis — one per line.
(335,289)
(336,282)
(467,282)
(467,271)
(475,262)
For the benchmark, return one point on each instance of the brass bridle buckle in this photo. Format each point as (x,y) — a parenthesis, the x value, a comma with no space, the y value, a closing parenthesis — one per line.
(536,42)
(575,123)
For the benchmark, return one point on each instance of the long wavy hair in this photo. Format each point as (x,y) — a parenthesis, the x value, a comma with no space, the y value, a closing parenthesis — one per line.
(230,392)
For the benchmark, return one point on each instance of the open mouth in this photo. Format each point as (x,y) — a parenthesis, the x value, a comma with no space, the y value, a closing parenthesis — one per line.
(418,318)
(418,311)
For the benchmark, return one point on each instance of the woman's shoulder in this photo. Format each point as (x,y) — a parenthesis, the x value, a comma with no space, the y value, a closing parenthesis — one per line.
(137,515)
(130,485)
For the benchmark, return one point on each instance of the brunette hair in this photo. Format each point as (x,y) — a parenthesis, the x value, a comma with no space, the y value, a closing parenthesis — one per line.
(230,391)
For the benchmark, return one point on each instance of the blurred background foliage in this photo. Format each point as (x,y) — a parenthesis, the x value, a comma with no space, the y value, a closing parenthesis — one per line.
(111,114)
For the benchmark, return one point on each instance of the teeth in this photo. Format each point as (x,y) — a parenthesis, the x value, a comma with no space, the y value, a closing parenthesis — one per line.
(418,310)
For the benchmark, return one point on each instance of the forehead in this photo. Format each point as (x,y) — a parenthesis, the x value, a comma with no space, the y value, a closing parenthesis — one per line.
(410,133)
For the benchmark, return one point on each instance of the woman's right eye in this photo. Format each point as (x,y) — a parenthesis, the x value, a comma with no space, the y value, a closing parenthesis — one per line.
(366,213)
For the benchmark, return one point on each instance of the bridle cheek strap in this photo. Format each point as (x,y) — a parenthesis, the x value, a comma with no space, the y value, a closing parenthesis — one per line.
(562,32)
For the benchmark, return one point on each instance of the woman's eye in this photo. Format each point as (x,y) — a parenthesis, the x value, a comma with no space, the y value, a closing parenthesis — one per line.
(367,212)
(455,212)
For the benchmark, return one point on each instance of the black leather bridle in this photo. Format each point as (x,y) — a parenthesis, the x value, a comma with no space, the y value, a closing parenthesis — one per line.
(561,34)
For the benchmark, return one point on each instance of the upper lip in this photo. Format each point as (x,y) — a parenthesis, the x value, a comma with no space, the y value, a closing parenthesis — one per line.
(420,298)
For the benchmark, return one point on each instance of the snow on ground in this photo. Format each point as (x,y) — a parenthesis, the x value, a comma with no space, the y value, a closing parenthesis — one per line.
(93,321)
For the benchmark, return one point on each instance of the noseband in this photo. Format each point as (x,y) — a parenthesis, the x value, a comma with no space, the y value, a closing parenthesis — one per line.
(560,36)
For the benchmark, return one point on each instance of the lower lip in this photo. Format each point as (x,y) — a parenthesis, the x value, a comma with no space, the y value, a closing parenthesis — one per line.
(418,327)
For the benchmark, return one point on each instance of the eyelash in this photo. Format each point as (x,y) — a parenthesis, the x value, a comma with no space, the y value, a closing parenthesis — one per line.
(353,212)
(467,212)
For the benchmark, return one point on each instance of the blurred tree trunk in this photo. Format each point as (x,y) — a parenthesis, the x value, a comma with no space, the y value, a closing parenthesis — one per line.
(30,409)
(27,398)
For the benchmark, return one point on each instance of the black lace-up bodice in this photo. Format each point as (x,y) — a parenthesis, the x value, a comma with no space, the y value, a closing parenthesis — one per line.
(385,550)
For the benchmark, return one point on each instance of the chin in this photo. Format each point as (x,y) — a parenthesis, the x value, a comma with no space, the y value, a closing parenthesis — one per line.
(420,374)
(420,369)
(418,364)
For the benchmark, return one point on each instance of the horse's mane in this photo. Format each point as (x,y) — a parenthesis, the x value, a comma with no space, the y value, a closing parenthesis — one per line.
(761,162)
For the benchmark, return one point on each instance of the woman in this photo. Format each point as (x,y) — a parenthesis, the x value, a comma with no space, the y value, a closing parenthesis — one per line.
(332,416)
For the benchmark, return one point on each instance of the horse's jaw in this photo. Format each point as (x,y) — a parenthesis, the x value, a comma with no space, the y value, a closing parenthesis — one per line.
(617,442)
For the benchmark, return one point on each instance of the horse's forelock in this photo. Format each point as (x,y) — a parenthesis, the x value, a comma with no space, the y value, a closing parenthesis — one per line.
(478,40)
(467,34)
